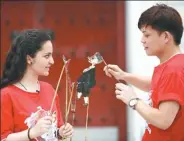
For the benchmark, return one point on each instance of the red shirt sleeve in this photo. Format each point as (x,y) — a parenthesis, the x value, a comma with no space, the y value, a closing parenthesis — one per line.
(7,123)
(171,88)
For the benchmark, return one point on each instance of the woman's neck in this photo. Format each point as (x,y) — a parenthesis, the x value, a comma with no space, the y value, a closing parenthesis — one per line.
(29,79)
(29,82)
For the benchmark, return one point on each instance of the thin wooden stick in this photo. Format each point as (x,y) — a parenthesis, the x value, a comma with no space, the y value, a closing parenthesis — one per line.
(53,100)
(73,118)
(69,104)
(66,104)
(104,62)
(67,108)
(73,110)
(66,100)
(87,115)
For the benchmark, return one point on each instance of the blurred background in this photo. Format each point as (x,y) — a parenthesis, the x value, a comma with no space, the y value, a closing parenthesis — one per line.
(79,29)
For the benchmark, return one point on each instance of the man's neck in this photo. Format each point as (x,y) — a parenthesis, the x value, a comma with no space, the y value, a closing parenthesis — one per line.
(169,54)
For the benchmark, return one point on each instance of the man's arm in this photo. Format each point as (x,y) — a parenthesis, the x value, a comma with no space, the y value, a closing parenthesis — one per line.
(141,82)
(162,117)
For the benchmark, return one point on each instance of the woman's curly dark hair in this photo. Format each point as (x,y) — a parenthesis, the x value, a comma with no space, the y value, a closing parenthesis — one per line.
(28,42)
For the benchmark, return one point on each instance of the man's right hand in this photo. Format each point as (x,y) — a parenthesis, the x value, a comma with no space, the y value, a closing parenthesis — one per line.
(115,71)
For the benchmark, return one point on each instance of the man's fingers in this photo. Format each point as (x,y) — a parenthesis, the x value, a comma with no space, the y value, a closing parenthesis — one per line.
(105,68)
(107,71)
(108,74)
(118,97)
(117,92)
(113,67)
(111,72)
(121,86)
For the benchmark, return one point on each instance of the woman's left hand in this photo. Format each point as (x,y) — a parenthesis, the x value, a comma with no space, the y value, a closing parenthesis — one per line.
(124,92)
(66,130)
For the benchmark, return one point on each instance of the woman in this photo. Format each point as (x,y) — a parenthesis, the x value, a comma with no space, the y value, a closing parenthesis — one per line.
(25,101)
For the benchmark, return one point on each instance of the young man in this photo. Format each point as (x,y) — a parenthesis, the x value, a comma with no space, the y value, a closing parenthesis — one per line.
(162,30)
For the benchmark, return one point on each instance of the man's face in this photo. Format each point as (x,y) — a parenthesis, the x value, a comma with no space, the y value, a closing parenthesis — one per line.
(153,42)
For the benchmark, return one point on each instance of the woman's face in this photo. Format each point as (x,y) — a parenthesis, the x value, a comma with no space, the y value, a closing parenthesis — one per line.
(43,60)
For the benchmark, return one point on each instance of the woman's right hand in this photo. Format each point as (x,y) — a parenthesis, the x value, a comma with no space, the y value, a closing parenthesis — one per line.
(41,127)
(115,71)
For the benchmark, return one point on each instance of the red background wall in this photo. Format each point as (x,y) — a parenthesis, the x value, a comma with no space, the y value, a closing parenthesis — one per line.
(80,30)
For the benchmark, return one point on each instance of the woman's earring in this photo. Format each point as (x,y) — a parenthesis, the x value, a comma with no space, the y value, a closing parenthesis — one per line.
(30,63)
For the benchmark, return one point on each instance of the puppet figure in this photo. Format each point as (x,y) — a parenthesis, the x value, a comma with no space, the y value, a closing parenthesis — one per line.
(87,80)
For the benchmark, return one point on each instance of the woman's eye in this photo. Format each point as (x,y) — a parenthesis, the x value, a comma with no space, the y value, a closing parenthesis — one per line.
(46,56)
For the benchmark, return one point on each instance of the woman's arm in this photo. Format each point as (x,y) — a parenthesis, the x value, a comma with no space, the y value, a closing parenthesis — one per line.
(20,136)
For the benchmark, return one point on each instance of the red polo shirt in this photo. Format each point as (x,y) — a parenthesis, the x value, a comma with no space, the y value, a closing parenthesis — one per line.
(168,84)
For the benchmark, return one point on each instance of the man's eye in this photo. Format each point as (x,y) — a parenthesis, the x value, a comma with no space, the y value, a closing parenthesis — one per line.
(146,35)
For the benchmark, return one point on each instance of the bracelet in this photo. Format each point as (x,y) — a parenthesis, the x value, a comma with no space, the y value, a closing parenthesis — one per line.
(58,135)
(28,134)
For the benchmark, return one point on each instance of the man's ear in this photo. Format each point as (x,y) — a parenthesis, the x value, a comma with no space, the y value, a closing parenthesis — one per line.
(29,59)
(167,36)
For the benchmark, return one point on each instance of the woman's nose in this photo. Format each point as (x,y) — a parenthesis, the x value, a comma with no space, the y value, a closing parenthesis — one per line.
(51,60)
